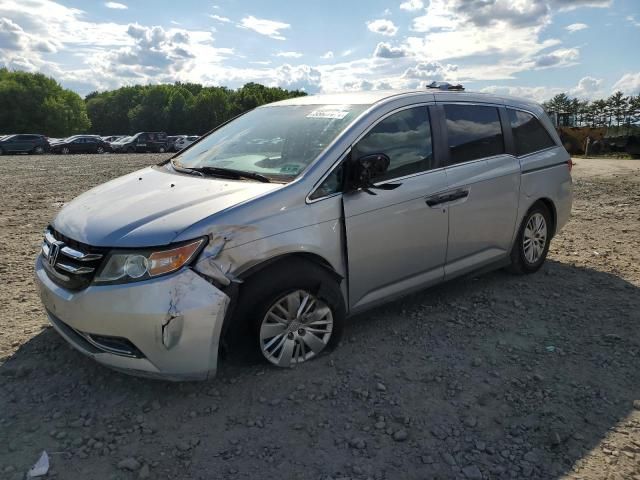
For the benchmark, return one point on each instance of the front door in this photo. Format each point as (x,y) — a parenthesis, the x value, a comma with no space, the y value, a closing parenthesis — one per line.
(486,182)
(395,240)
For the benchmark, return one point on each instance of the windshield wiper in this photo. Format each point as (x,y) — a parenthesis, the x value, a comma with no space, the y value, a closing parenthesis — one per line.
(231,173)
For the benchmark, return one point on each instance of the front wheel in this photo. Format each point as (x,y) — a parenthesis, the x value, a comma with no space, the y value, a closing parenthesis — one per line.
(161,150)
(1,151)
(65,150)
(294,310)
(100,150)
(532,243)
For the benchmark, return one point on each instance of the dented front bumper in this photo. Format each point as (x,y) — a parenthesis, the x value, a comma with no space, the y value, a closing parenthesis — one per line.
(168,327)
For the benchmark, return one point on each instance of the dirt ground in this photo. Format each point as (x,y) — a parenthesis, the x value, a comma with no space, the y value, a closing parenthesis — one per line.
(490,376)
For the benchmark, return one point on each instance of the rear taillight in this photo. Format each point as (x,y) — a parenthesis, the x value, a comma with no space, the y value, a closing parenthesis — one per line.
(570,164)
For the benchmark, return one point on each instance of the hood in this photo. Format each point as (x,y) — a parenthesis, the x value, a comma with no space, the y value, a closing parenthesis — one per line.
(150,207)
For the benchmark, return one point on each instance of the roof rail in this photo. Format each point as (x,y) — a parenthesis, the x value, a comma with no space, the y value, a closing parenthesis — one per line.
(446,86)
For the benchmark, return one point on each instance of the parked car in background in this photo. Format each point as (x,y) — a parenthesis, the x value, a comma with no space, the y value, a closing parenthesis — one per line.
(81,144)
(142,142)
(112,138)
(24,143)
(171,142)
(295,215)
(184,142)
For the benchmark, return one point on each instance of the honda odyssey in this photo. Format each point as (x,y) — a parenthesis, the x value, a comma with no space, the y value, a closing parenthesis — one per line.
(281,223)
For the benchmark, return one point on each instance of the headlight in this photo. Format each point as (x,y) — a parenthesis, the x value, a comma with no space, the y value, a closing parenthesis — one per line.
(124,267)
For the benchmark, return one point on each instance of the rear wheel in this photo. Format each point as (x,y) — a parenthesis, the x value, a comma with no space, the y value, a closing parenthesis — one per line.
(100,149)
(131,150)
(162,150)
(64,150)
(532,243)
(1,151)
(293,310)
(39,150)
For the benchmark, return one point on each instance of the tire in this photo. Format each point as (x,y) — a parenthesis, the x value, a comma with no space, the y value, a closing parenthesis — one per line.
(64,150)
(1,151)
(131,150)
(38,150)
(293,343)
(161,150)
(100,150)
(532,242)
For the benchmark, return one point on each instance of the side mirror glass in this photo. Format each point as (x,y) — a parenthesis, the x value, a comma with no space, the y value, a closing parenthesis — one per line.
(368,167)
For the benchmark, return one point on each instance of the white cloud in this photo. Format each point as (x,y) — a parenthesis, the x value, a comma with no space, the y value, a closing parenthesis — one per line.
(347,52)
(220,18)
(386,50)
(576,27)
(327,55)
(301,77)
(431,71)
(116,5)
(633,20)
(412,5)
(269,28)
(629,84)
(558,58)
(383,27)
(288,54)
(588,88)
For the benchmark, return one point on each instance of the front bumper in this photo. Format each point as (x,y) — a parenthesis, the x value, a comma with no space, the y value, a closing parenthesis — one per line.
(174,322)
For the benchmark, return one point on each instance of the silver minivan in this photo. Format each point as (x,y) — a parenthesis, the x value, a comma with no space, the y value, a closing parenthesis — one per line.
(277,226)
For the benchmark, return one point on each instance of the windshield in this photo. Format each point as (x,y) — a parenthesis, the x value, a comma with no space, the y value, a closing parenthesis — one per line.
(278,142)
(122,140)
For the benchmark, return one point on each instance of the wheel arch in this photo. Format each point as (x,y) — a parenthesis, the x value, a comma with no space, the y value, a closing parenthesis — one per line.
(548,203)
(282,258)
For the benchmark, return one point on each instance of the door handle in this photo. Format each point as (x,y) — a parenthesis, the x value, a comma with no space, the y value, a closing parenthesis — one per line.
(447,197)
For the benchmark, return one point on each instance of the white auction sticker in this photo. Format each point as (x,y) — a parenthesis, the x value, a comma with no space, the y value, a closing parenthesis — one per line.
(329,111)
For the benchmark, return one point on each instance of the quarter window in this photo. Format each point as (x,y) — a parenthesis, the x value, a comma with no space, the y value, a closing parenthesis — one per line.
(405,137)
(474,131)
(528,133)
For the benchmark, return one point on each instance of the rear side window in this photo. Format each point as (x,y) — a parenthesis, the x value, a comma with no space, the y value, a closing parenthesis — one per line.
(528,133)
(406,138)
(474,131)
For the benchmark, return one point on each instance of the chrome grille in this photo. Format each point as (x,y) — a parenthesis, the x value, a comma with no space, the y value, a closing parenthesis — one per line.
(69,263)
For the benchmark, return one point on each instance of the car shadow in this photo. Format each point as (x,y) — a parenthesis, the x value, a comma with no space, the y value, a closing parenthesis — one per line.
(489,376)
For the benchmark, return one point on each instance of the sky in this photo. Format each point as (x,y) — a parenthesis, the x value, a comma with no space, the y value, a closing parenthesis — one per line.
(530,48)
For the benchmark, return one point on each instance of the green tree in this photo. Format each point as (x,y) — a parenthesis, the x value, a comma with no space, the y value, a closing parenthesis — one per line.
(32,102)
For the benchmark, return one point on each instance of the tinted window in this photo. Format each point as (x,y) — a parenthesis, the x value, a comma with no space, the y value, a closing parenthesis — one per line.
(474,132)
(406,138)
(528,133)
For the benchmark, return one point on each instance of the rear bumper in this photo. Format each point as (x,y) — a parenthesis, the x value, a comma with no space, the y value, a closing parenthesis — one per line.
(165,328)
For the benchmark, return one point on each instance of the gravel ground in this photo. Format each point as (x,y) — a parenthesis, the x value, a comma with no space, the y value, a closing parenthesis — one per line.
(491,376)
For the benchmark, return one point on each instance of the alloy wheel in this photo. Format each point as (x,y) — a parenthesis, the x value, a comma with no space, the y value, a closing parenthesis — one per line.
(296,328)
(65,150)
(534,238)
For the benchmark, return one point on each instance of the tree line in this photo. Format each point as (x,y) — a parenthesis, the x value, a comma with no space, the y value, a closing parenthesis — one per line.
(616,110)
(35,103)
(181,108)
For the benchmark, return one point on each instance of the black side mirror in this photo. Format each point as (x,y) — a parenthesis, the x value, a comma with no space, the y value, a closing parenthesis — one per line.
(368,167)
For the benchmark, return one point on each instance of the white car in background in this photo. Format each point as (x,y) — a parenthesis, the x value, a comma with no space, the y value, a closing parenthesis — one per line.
(184,142)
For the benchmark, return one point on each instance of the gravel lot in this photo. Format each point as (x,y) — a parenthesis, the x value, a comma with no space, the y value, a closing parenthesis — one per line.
(491,376)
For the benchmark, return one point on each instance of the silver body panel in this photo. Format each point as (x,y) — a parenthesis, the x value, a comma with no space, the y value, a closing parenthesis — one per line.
(380,246)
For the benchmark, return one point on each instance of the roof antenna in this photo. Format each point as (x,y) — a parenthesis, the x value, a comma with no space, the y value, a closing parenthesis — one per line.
(446,86)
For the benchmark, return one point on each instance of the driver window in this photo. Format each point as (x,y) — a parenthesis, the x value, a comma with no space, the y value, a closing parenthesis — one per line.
(405,137)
